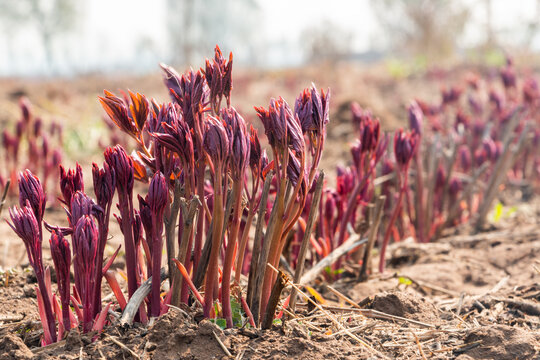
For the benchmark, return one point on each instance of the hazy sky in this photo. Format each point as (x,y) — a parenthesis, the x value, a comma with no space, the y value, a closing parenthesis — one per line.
(130,35)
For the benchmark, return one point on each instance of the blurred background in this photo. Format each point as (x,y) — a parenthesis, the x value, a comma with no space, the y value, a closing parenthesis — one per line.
(62,54)
(48,38)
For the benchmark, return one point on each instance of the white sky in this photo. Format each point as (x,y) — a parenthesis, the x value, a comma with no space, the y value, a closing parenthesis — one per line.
(113,32)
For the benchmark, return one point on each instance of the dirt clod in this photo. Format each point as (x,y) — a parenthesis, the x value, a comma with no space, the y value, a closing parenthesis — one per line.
(407,305)
(501,342)
(12,347)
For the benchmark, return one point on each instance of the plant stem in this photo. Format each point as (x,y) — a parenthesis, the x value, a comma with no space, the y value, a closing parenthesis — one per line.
(229,253)
(252,299)
(157,247)
(46,304)
(271,246)
(307,235)
(351,204)
(373,231)
(200,220)
(127,230)
(421,229)
(217,218)
(183,252)
(103,233)
(170,226)
(392,220)
(243,244)
(273,300)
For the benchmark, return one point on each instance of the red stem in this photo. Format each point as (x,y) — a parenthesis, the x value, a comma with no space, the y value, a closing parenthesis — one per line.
(351,205)
(391,223)
(157,247)
(47,305)
(126,211)
(212,272)
(229,254)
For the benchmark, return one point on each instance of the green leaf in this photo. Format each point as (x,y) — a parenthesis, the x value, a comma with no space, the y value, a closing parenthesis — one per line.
(498,212)
(405,281)
(237,313)
(331,272)
(220,322)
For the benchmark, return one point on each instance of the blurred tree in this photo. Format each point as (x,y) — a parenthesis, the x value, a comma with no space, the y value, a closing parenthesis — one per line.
(180,24)
(195,27)
(422,27)
(50,18)
(326,42)
(533,26)
(490,34)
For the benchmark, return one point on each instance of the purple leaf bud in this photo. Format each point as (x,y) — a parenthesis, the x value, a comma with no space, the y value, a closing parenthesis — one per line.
(56,158)
(19,129)
(416,117)
(26,226)
(169,115)
(427,109)
(158,194)
(218,75)
(122,164)
(188,91)
(440,178)
(330,206)
(82,205)
(359,115)
(475,105)
(85,244)
(455,186)
(26,109)
(254,150)
(462,119)
(61,253)
(311,108)
(480,156)
(465,157)
(293,170)
(71,182)
(86,250)
(508,76)
(369,134)
(490,148)
(117,110)
(238,139)
(356,152)
(496,99)
(451,95)
(178,139)
(31,191)
(104,184)
(344,181)
(45,146)
(145,214)
(216,142)
(404,147)
(38,125)
(280,125)
(138,228)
